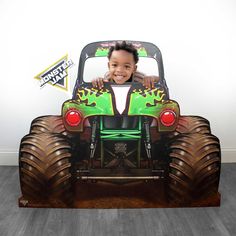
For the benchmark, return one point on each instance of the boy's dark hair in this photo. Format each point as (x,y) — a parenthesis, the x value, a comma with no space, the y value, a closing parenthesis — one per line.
(128,47)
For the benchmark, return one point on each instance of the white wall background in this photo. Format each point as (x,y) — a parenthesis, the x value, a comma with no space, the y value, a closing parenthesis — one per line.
(197,40)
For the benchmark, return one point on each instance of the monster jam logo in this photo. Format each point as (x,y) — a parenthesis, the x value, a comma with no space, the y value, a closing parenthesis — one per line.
(56,74)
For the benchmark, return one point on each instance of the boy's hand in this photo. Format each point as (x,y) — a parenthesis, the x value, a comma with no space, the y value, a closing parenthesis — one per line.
(148,81)
(98,82)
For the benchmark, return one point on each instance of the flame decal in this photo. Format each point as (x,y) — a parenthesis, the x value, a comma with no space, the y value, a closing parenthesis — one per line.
(146,101)
(152,96)
(89,96)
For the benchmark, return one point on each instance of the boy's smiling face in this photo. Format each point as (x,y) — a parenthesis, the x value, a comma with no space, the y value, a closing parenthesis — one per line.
(121,66)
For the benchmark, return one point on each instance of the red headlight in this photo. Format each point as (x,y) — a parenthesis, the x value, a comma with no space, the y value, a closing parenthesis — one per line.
(73,117)
(168,117)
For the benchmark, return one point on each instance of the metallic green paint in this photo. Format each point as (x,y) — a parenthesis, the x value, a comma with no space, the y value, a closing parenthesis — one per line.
(146,102)
(142,102)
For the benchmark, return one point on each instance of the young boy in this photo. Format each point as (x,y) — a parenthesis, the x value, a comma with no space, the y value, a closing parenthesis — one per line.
(122,65)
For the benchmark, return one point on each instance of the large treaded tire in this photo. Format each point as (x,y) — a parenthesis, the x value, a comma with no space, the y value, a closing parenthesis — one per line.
(191,124)
(45,168)
(186,125)
(48,124)
(194,168)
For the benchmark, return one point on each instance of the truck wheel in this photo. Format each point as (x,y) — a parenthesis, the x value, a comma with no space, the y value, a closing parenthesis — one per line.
(194,168)
(45,168)
(48,124)
(191,124)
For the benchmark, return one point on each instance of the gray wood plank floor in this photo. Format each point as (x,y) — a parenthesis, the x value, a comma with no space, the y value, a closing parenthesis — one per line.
(180,221)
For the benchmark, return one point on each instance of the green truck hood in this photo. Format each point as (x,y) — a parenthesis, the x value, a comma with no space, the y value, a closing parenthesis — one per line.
(91,101)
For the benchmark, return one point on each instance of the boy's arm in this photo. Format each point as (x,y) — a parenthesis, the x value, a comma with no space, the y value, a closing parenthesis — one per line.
(147,80)
(98,82)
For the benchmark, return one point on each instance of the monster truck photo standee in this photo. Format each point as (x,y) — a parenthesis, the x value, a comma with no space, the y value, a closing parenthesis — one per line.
(119,146)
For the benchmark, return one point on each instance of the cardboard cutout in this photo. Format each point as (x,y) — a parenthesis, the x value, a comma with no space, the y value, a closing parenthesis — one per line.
(119,146)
